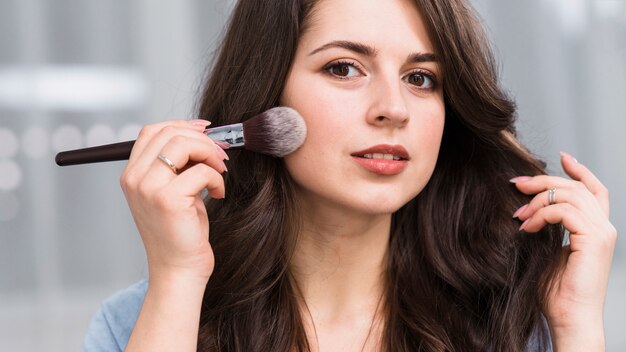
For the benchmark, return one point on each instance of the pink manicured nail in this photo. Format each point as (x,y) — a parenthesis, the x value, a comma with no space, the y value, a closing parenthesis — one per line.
(524,224)
(222,152)
(519,211)
(520,179)
(566,155)
(224,164)
(200,123)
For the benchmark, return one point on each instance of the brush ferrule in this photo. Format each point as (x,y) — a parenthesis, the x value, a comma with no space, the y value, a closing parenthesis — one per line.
(227,137)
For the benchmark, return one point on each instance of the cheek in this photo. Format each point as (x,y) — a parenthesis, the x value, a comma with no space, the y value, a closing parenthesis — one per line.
(327,118)
(427,131)
(429,123)
(313,159)
(433,139)
(432,128)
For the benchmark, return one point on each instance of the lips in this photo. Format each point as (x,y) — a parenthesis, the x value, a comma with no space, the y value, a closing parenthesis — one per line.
(384,159)
(397,152)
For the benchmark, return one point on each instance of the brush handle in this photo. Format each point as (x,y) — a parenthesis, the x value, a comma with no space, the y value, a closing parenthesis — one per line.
(227,137)
(108,152)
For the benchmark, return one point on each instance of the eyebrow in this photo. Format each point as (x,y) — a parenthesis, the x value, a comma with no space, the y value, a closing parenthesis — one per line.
(422,57)
(352,46)
(367,50)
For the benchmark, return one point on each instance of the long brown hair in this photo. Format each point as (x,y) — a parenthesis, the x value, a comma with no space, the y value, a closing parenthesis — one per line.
(461,277)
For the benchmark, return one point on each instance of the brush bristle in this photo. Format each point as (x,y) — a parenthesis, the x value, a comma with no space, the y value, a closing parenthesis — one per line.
(277,132)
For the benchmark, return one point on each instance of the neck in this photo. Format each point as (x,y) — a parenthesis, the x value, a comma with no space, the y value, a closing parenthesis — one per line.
(341,254)
(339,267)
(345,259)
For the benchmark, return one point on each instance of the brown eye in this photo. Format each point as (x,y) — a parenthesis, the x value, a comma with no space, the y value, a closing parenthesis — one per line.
(340,70)
(417,79)
(421,80)
(343,70)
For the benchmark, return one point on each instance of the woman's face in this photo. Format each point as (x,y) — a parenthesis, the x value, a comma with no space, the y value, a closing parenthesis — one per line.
(365,81)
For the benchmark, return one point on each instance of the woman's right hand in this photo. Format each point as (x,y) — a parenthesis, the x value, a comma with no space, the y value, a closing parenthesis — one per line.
(166,206)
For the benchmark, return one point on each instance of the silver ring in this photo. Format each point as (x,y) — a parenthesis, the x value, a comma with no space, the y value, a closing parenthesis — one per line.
(168,162)
(552,196)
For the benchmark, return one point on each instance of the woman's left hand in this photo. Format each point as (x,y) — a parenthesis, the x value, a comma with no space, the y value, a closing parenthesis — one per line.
(575,307)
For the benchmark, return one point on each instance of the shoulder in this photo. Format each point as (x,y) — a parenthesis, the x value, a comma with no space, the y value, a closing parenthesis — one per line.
(540,340)
(112,325)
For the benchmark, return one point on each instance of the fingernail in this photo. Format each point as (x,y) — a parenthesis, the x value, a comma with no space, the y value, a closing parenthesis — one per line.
(566,155)
(524,224)
(519,211)
(200,123)
(222,152)
(520,179)
(224,165)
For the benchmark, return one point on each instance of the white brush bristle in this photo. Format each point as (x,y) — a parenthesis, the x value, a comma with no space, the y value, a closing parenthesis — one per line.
(277,132)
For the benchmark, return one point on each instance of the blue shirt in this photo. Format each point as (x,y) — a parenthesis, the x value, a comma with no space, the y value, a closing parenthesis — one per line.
(112,325)
(110,328)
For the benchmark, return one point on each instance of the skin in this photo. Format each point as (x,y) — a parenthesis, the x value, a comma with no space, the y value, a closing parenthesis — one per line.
(575,308)
(359,101)
(338,264)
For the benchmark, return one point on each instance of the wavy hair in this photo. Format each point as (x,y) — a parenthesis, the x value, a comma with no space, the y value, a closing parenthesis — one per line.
(460,277)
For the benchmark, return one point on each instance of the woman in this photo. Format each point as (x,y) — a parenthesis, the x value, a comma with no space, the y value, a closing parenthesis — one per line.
(330,249)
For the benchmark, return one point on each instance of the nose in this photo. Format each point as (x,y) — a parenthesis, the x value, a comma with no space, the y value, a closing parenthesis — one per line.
(388,108)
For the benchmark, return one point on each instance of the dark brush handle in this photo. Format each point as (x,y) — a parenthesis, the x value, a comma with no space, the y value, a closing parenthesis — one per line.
(108,152)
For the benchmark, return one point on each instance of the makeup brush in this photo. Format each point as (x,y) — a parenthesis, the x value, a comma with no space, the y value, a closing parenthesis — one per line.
(276,132)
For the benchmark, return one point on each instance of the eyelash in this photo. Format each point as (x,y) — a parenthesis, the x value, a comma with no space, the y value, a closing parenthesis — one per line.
(434,84)
(327,69)
(334,64)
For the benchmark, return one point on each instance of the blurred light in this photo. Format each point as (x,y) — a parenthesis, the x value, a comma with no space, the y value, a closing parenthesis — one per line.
(8,143)
(573,15)
(66,137)
(35,142)
(129,132)
(100,134)
(10,175)
(9,206)
(71,88)
(610,8)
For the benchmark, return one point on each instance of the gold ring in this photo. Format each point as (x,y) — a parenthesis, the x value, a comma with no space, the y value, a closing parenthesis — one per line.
(168,162)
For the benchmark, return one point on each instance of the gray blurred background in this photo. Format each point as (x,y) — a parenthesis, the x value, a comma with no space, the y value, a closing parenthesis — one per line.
(81,73)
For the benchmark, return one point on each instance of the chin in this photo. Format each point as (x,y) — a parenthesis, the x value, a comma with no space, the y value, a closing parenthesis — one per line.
(382,205)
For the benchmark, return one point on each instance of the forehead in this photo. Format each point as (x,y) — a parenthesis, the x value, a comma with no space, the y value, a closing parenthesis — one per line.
(380,23)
